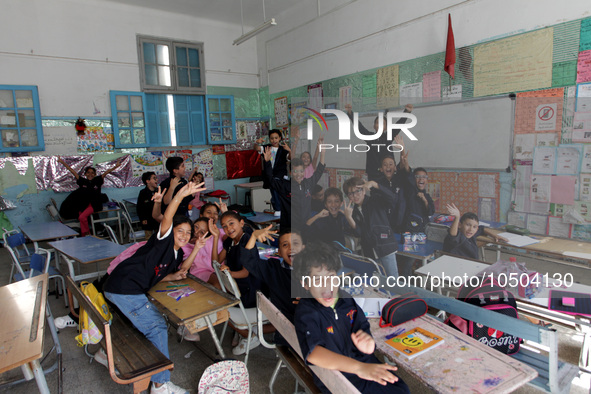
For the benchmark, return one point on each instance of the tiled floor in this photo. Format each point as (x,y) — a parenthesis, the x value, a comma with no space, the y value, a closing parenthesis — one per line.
(81,376)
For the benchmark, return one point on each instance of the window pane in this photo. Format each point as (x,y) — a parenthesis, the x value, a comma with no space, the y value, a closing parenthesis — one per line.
(226,105)
(162,54)
(27,118)
(123,119)
(216,134)
(195,78)
(149,53)
(122,103)
(139,136)
(151,75)
(136,103)
(227,134)
(124,136)
(214,119)
(181,56)
(10,138)
(138,119)
(7,119)
(24,98)
(214,105)
(6,99)
(29,137)
(183,76)
(193,57)
(164,76)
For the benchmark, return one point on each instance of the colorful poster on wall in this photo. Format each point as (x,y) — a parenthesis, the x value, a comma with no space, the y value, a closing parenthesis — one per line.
(315,96)
(432,86)
(149,161)
(539,111)
(522,62)
(186,154)
(584,67)
(281,117)
(298,112)
(387,87)
(96,139)
(203,161)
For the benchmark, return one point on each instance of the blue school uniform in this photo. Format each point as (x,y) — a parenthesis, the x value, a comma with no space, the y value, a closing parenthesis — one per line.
(317,325)
(462,246)
(234,256)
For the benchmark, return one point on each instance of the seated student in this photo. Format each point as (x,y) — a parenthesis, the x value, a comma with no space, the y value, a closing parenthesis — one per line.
(238,236)
(87,199)
(371,222)
(332,330)
(331,224)
(176,167)
(317,203)
(461,238)
(156,261)
(419,204)
(274,272)
(197,177)
(145,205)
(201,267)
(280,154)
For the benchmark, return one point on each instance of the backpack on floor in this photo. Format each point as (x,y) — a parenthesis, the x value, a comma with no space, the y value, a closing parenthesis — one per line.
(491,296)
(89,332)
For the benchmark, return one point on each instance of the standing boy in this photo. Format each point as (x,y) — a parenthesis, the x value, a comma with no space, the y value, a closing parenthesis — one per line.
(371,222)
(145,203)
(331,224)
(175,182)
(279,156)
(332,331)
(419,204)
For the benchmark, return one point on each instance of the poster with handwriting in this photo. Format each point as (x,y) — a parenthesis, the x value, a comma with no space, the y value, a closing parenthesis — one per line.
(522,62)
(539,111)
(584,67)
(387,87)
(432,86)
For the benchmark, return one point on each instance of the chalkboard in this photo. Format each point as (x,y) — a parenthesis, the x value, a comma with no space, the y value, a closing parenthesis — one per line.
(59,140)
(469,134)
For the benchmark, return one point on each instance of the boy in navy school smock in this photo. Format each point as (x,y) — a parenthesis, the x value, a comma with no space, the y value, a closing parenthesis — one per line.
(176,167)
(419,204)
(331,224)
(394,179)
(333,332)
(280,154)
(145,204)
(461,237)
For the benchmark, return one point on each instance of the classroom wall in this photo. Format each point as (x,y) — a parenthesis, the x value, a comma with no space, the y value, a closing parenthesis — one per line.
(353,36)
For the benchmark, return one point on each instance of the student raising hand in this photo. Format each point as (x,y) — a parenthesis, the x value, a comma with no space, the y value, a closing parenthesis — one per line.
(262,235)
(222,206)
(267,155)
(213,229)
(158,195)
(453,210)
(190,189)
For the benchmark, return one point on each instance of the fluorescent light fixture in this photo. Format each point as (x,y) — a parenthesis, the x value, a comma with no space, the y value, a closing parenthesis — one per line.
(254,32)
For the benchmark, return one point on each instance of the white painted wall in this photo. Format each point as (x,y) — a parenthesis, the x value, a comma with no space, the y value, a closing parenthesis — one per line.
(352,36)
(75,51)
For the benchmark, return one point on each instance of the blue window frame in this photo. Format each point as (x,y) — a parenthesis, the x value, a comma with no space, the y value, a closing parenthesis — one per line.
(20,119)
(189,115)
(221,123)
(129,125)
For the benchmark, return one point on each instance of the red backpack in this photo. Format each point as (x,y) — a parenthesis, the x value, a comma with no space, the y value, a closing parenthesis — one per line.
(491,296)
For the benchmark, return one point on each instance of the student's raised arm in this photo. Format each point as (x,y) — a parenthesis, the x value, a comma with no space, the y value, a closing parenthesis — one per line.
(174,182)
(187,190)
(453,210)
(215,232)
(62,162)
(199,244)
(117,165)
(157,208)
(261,235)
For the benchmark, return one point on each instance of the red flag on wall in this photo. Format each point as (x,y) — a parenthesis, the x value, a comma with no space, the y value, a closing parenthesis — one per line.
(450,50)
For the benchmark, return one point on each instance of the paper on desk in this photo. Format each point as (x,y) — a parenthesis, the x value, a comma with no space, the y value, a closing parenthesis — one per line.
(518,240)
(372,307)
(578,254)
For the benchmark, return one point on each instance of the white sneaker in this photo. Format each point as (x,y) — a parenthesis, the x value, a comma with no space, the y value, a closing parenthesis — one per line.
(167,388)
(277,213)
(64,321)
(241,347)
(101,358)
(186,335)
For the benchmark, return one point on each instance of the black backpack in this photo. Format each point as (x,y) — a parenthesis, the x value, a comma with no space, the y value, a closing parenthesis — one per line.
(491,296)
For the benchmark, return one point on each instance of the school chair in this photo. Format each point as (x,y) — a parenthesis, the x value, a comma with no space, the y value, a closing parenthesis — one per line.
(241,318)
(134,235)
(360,264)
(111,234)
(16,244)
(133,219)
(39,264)
(54,213)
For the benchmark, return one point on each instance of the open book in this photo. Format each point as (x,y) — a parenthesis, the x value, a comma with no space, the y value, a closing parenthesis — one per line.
(518,240)
(414,342)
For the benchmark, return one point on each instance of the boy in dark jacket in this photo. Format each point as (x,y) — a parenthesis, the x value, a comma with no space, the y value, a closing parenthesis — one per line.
(145,203)
(419,204)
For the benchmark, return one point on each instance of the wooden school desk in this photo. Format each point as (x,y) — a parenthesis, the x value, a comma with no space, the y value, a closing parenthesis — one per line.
(22,312)
(203,309)
(86,250)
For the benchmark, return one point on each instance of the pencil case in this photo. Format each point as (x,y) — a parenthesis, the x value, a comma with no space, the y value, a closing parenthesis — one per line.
(402,309)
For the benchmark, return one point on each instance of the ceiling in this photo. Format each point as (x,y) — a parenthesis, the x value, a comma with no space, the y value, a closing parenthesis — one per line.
(221,10)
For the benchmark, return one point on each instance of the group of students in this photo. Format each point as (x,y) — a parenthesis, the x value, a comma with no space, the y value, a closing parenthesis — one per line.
(332,330)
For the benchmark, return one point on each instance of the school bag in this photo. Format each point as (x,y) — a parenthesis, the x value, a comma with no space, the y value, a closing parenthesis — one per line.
(491,296)
(89,333)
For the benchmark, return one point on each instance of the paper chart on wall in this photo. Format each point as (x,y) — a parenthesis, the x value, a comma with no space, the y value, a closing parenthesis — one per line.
(584,208)
(387,81)
(530,57)
(486,208)
(546,139)
(149,161)
(583,103)
(486,185)
(523,147)
(411,93)
(546,115)
(539,111)
(540,188)
(517,219)
(562,189)
(537,224)
(281,117)
(544,160)
(204,162)
(539,207)
(522,192)
(451,93)
(582,127)
(585,187)
(586,159)
(432,86)
(557,228)
(568,158)
(584,67)
(345,96)
(315,96)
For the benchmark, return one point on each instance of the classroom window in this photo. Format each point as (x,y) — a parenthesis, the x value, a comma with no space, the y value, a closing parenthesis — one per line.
(171,66)
(160,119)
(20,119)
(221,124)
